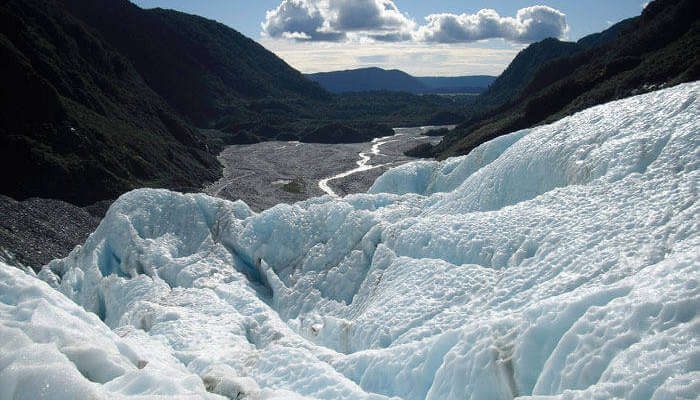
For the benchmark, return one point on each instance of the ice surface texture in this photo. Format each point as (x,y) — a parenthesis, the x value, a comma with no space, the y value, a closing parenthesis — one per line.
(558,262)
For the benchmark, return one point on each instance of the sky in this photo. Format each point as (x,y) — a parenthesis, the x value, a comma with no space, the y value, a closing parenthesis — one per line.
(423,38)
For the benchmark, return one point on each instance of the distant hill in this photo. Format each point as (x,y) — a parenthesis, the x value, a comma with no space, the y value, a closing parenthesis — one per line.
(457,84)
(552,79)
(378,79)
(368,79)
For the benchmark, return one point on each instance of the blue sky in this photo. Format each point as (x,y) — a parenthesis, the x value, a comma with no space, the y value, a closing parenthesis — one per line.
(402,37)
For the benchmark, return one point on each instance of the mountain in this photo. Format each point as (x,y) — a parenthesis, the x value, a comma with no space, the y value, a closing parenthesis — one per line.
(101,96)
(368,79)
(522,69)
(601,38)
(205,70)
(559,262)
(660,48)
(378,79)
(77,121)
(457,84)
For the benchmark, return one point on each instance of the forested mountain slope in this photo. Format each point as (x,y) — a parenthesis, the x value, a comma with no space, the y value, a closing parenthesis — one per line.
(77,121)
(203,69)
(660,48)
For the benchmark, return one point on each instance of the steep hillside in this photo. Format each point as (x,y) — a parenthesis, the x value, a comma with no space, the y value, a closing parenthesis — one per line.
(660,48)
(608,35)
(507,87)
(77,121)
(203,69)
(522,69)
(368,79)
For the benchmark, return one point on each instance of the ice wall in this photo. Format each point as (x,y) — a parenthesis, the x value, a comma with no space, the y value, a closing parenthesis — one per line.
(557,262)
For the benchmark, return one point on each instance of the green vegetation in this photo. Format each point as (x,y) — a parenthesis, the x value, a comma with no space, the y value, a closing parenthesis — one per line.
(100,97)
(295,186)
(423,150)
(77,122)
(551,79)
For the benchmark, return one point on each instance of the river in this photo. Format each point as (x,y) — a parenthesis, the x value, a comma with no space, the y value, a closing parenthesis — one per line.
(268,173)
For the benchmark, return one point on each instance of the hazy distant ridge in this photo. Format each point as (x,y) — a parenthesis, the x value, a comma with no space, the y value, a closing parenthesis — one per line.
(452,84)
(375,79)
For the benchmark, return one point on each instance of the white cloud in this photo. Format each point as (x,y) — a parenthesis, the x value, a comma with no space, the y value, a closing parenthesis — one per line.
(299,20)
(382,21)
(367,16)
(337,20)
(531,24)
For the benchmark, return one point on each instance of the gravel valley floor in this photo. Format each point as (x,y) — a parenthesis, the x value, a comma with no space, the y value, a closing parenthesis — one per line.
(268,173)
(36,231)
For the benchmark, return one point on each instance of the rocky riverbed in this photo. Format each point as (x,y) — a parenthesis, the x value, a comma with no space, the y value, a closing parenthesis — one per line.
(35,231)
(268,173)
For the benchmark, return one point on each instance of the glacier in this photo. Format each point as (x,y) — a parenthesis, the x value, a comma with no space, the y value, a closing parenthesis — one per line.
(558,262)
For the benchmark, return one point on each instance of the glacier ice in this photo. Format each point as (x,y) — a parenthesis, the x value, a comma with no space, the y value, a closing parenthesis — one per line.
(559,262)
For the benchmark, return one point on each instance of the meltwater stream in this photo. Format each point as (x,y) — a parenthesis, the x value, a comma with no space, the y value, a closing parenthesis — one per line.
(268,173)
(361,163)
(365,156)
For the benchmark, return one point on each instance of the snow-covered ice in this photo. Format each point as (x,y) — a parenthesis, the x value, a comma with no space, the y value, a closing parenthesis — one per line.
(559,262)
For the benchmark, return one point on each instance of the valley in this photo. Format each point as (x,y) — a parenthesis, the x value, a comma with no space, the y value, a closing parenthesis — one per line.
(268,173)
(195,207)
(502,274)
